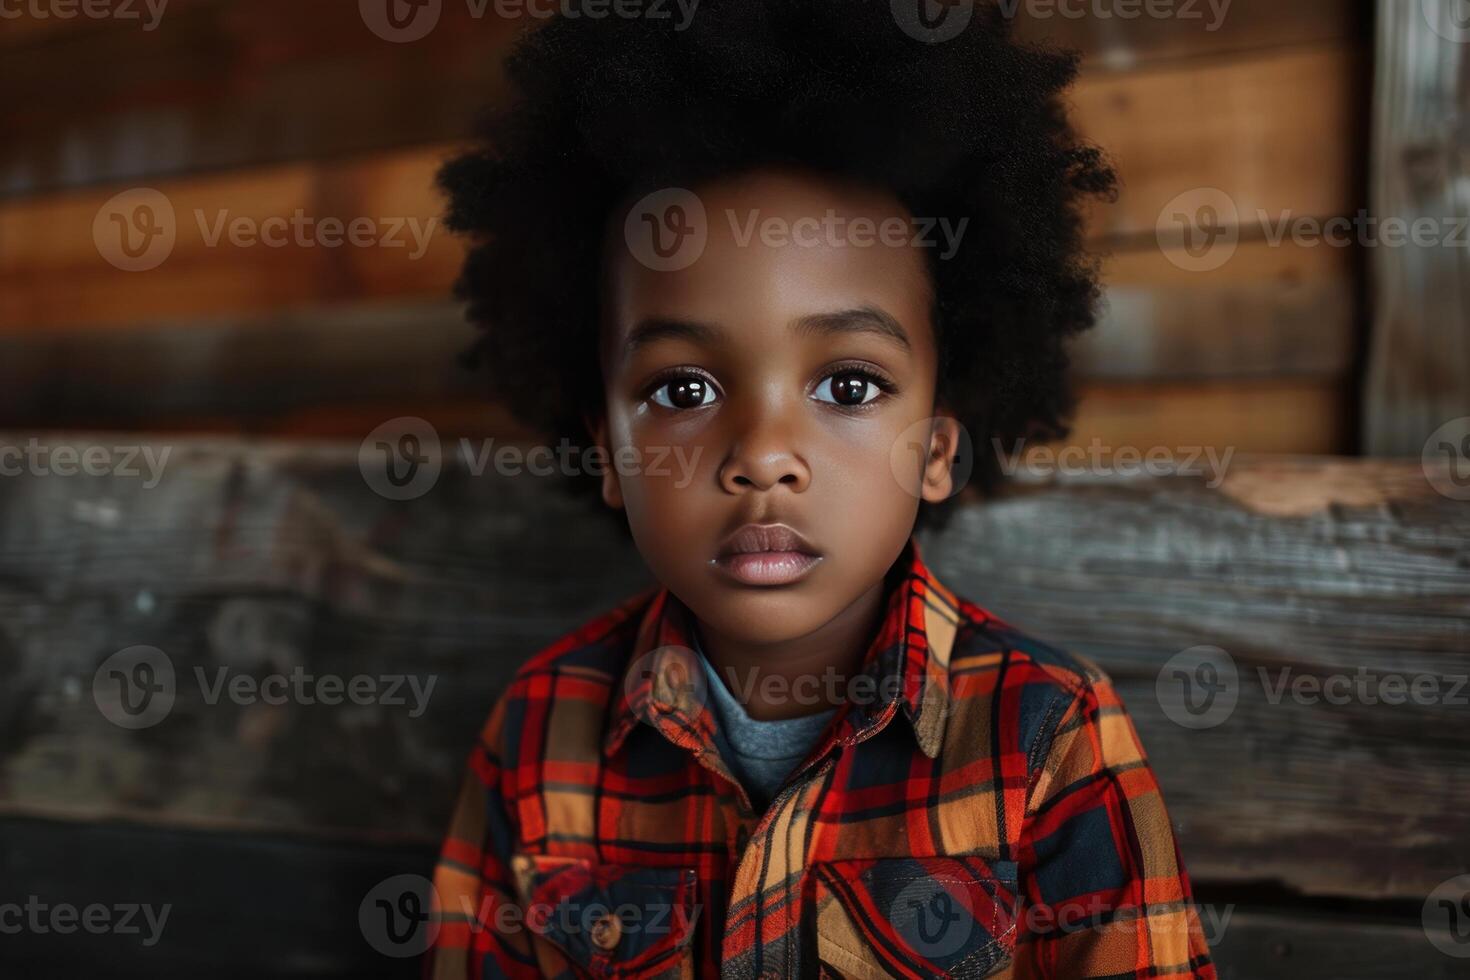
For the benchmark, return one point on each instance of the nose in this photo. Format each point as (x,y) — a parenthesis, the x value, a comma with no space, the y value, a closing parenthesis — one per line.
(763,456)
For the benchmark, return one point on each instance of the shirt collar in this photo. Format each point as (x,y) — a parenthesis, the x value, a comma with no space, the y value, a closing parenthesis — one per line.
(663,683)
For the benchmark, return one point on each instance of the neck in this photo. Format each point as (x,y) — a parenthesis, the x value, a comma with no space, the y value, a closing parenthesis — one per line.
(770,679)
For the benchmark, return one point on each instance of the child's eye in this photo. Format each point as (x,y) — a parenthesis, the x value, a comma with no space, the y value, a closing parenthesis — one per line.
(684,392)
(849,388)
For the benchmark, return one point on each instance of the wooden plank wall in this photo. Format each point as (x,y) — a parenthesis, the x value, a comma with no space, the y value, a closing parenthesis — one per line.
(264,829)
(265,107)
(1315,830)
(1418,374)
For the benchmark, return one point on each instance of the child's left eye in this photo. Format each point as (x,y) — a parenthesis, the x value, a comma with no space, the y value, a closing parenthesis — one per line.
(848,388)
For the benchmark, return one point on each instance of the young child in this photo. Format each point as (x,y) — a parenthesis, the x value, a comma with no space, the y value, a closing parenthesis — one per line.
(782,264)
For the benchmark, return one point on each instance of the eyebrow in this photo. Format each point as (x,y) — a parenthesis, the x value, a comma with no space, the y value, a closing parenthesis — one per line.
(860,319)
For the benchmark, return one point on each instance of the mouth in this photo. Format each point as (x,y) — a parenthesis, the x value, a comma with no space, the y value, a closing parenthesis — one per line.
(767,554)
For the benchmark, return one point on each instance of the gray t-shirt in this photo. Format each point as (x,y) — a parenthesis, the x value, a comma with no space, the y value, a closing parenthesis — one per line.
(762,753)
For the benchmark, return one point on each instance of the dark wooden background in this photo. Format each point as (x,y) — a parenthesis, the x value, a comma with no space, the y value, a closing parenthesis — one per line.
(266,106)
(1319,829)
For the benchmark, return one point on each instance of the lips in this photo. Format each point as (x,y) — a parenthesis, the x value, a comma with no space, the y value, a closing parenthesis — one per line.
(767,554)
(753,538)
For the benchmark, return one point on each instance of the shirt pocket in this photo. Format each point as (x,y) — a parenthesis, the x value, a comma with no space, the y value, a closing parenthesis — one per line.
(588,919)
(915,916)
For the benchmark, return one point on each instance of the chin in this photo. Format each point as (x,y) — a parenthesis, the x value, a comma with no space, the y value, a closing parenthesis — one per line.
(765,614)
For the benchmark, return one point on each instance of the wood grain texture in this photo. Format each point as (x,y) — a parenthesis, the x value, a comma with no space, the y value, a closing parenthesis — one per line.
(1267,314)
(285,578)
(1282,943)
(223,85)
(1275,131)
(261,557)
(1419,362)
(1269,310)
(1352,797)
(1119,37)
(245,370)
(1263,415)
(53,272)
(244,242)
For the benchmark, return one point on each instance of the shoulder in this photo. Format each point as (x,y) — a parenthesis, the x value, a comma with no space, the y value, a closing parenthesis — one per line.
(576,671)
(986,640)
(1026,685)
(597,646)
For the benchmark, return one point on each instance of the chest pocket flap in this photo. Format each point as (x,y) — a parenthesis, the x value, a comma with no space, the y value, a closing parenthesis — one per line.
(607,920)
(906,916)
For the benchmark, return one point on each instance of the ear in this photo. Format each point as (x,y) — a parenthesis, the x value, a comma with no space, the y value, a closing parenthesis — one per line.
(612,491)
(939,465)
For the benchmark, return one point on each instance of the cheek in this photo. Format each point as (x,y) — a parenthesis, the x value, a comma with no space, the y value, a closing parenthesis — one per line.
(873,481)
(667,457)
(665,470)
(859,453)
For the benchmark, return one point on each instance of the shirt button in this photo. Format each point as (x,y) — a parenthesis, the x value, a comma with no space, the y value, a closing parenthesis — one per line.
(606,932)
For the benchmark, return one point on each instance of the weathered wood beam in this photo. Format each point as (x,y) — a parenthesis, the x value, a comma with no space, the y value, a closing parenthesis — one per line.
(262,557)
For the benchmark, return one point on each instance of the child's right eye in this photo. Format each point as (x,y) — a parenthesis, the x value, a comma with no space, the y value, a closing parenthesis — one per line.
(684,392)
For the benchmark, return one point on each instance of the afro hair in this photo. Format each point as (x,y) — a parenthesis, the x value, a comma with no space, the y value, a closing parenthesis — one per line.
(608,108)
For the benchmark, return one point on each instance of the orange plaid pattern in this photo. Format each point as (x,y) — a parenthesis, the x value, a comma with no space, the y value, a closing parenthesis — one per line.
(985,809)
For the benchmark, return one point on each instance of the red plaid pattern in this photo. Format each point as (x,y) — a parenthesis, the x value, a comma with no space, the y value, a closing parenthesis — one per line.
(987,811)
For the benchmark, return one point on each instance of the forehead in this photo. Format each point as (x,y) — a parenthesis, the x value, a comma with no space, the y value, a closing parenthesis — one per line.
(777,246)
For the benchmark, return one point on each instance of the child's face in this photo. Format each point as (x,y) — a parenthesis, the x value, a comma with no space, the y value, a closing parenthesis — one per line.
(777,333)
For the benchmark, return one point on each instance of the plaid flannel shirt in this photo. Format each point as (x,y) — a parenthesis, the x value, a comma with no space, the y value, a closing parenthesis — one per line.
(984,808)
